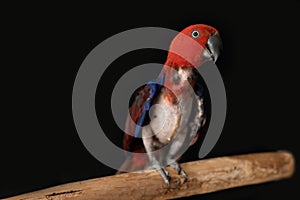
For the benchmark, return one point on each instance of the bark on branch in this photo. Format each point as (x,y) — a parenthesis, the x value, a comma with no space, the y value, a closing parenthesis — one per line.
(204,176)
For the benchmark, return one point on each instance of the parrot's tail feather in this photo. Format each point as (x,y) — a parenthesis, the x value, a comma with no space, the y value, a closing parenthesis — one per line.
(135,163)
(124,167)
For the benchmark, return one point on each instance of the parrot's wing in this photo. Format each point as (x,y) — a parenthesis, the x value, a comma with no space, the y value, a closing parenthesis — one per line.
(138,112)
(199,91)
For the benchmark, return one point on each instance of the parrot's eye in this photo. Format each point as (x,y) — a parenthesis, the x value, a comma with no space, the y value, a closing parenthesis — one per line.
(195,34)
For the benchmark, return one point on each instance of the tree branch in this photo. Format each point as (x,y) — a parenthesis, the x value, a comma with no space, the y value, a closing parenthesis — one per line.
(204,176)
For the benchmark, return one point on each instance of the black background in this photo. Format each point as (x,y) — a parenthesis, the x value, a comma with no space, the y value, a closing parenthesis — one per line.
(43,46)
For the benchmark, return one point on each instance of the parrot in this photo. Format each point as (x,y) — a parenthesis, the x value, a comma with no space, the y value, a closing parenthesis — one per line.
(163,109)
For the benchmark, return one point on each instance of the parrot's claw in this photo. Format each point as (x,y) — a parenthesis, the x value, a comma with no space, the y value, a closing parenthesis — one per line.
(180,171)
(183,174)
(165,175)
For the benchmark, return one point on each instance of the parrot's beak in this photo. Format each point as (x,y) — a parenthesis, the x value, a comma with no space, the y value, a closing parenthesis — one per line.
(213,48)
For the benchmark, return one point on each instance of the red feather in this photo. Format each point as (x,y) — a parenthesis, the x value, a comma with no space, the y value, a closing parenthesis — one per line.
(183,52)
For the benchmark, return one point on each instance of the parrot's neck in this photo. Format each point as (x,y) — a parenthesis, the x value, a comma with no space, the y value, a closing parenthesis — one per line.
(179,80)
(174,60)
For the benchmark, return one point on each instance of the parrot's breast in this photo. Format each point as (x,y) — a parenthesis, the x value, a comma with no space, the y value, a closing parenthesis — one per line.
(173,119)
(165,119)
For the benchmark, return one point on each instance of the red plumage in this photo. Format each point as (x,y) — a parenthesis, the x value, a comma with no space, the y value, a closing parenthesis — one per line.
(183,53)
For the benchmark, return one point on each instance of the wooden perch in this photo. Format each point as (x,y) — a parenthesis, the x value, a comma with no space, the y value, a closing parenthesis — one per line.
(204,176)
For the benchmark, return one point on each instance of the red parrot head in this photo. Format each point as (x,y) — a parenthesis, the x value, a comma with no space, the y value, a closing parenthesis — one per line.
(194,45)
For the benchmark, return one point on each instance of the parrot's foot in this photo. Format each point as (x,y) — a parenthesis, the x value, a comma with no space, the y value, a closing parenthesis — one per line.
(183,174)
(180,171)
(165,175)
